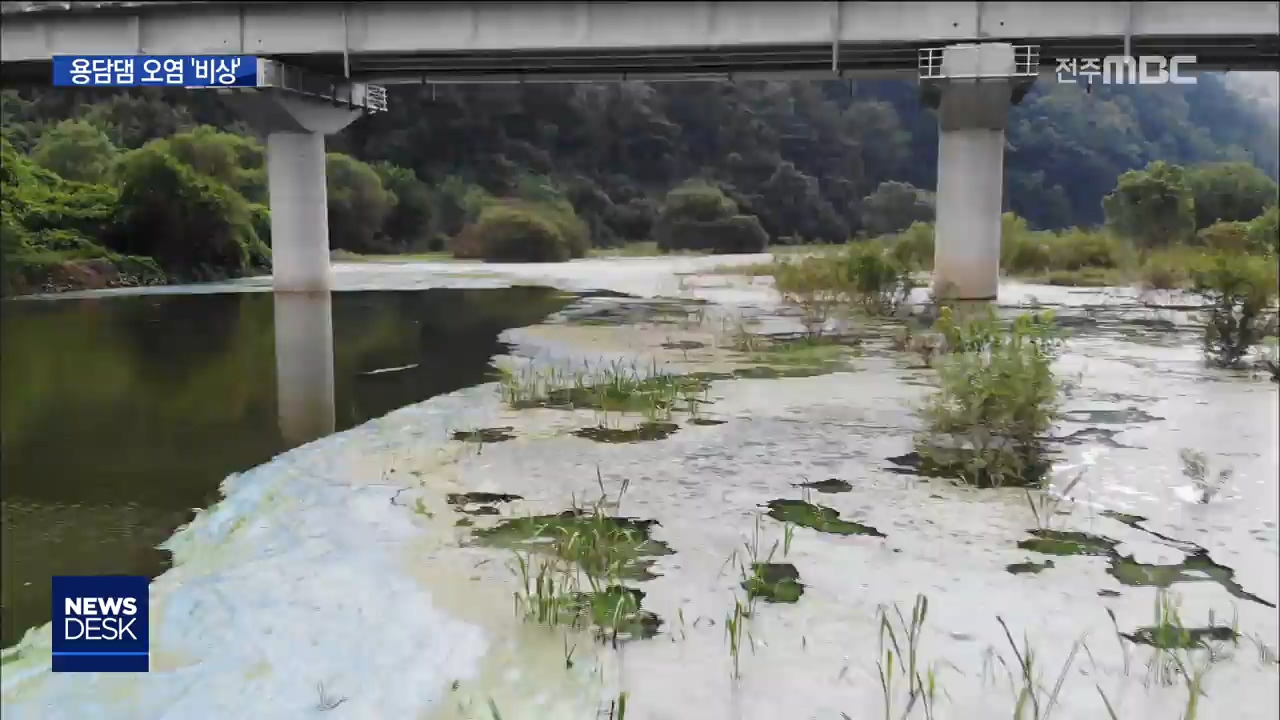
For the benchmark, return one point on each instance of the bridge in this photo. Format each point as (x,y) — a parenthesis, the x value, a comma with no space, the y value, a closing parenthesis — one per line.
(972,58)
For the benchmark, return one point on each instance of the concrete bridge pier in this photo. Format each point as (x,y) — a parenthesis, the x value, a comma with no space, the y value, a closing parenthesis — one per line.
(304,366)
(295,127)
(971,86)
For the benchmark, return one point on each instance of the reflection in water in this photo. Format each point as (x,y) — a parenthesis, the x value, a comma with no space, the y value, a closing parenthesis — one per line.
(304,366)
(119,415)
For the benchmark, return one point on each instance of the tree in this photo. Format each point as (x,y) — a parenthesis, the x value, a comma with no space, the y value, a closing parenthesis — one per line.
(1264,232)
(792,201)
(193,225)
(893,207)
(1229,192)
(75,150)
(1153,207)
(358,205)
(408,222)
(514,230)
(233,160)
(699,216)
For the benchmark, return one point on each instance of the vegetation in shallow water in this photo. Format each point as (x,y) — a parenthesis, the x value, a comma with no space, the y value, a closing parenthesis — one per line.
(774,582)
(601,545)
(1028,568)
(552,593)
(816,352)
(614,388)
(1197,566)
(1239,292)
(830,486)
(1065,542)
(997,398)
(643,432)
(484,435)
(817,517)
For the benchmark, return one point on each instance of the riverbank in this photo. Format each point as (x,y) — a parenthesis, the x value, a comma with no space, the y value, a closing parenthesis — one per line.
(344,570)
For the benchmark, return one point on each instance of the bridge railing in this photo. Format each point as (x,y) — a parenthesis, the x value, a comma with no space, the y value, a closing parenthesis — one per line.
(1026,62)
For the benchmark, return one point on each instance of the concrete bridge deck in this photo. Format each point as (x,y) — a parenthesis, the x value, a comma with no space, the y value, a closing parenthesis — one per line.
(496,42)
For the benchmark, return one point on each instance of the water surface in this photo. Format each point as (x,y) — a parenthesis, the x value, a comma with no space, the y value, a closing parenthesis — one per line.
(121,415)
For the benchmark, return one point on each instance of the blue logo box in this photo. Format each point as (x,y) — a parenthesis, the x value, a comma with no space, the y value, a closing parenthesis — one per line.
(189,71)
(100,623)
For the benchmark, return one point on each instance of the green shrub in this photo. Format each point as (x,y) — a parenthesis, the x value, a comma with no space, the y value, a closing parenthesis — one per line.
(236,161)
(875,279)
(633,220)
(1024,252)
(913,247)
(698,216)
(894,207)
(75,150)
(997,398)
(194,226)
(260,219)
(408,222)
(1264,232)
(1228,237)
(519,231)
(572,230)
(358,206)
(1239,291)
(816,284)
(1152,207)
(1077,249)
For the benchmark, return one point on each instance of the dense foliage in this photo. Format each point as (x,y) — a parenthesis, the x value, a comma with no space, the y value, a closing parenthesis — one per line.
(610,164)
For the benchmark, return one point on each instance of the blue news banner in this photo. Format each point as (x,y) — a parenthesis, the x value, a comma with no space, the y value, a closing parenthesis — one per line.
(155,71)
(100,623)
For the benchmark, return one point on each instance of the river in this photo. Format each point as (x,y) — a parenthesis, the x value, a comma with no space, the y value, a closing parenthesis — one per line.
(337,572)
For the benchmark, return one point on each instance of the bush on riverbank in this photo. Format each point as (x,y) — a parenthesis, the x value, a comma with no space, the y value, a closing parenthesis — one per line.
(49,232)
(699,216)
(521,231)
(194,226)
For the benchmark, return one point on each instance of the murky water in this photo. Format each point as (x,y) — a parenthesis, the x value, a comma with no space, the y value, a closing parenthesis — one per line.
(352,564)
(122,415)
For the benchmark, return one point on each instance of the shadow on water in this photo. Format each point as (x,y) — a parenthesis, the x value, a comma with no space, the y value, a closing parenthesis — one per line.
(118,415)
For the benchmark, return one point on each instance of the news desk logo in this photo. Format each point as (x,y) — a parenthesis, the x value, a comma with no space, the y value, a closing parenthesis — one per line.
(1125,70)
(100,624)
(189,71)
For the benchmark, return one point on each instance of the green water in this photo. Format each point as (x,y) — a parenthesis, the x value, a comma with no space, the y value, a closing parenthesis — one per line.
(120,415)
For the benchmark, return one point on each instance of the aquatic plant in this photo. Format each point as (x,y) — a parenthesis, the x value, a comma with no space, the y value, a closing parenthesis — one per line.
(816,285)
(879,282)
(997,398)
(1045,504)
(1031,695)
(1239,292)
(751,580)
(818,517)
(1195,467)
(1172,645)
(600,544)
(576,576)
(905,657)
(865,275)
(616,387)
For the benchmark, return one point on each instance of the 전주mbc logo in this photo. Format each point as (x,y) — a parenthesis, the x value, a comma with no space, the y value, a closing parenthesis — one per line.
(100,624)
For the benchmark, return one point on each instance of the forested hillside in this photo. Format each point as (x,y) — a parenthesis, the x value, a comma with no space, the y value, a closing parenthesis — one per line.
(809,161)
